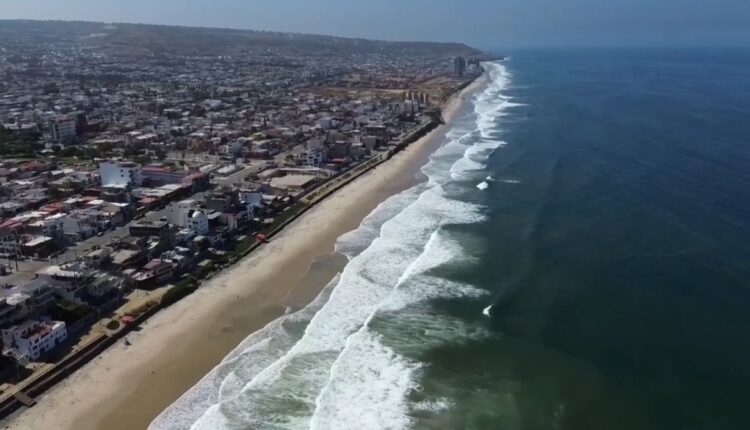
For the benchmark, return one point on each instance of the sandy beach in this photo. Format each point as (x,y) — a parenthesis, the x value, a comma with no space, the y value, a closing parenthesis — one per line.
(127,386)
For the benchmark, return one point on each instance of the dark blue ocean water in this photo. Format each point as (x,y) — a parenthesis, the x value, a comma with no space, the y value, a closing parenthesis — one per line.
(619,256)
(595,205)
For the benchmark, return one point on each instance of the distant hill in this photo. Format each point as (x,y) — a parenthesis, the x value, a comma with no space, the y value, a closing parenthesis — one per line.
(140,39)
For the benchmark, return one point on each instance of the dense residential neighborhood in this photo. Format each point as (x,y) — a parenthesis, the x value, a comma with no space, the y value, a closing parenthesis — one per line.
(127,178)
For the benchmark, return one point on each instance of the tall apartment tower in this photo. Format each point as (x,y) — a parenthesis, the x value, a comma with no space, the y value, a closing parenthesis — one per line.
(63,129)
(459,65)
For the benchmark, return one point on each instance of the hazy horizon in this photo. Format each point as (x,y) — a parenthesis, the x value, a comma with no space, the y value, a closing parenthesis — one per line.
(480,23)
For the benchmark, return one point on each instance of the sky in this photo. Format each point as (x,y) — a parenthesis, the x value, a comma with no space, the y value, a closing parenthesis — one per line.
(481,23)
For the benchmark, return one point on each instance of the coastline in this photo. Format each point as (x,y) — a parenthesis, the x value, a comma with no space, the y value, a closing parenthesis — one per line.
(127,386)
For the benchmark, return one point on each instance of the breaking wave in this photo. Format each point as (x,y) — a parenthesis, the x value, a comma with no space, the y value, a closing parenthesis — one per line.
(346,360)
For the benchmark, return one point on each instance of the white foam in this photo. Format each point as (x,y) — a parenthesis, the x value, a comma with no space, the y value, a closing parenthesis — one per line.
(366,283)
(487,310)
(369,390)
(369,382)
(433,405)
(354,242)
(290,380)
(252,355)
(483,185)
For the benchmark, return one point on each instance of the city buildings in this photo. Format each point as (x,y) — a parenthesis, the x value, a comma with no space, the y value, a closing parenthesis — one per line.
(156,167)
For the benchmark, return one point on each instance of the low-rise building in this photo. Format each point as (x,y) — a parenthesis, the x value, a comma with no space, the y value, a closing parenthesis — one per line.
(116,174)
(293,183)
(145,228)
(32,339)
(10,242)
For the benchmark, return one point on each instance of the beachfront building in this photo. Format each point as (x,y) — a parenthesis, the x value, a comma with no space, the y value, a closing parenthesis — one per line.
(67,280)
(293,183)
(15,307)
(32,338)
(25,302)
(252,199)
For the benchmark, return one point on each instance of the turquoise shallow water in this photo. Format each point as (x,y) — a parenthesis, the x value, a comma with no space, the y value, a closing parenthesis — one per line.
(574,258)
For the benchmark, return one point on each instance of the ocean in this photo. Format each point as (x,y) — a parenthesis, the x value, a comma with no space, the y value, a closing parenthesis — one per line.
(574,256)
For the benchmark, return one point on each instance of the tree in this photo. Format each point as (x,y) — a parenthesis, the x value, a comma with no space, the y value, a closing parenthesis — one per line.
(105,147)
(70,151)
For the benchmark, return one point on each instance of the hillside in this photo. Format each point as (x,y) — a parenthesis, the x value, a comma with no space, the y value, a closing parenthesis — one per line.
(142,39)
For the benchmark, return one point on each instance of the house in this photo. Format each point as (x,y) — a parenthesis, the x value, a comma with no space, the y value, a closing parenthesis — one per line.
(104,285)
(19,303)
(52,226)
(68,280)
(145,228)
(98,257)
(11,208)
(153,273)
(79,225)
(33,338)
(114,213)
(182,258)
(40,246)
(15,307)
(10,240)
(124,258)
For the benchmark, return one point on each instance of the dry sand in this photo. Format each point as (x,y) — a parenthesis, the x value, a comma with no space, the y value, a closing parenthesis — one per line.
(127,386)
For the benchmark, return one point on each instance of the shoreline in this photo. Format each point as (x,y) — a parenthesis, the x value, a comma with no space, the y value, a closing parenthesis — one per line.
(126,387)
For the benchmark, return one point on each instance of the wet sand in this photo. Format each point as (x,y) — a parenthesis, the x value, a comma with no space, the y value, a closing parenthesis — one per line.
(126,387)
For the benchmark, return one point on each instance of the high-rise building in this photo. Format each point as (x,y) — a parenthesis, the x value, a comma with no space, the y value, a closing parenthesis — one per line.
(459,65)
(63,129)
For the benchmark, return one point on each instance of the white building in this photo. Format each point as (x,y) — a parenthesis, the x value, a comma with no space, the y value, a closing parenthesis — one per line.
(9,242)
(120,174)
(253,200)
(79,225)
(313,158)
(63,129)
(315,154)
(178,213)
(198,223)
(68,281)
(32,339)
(52,225)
